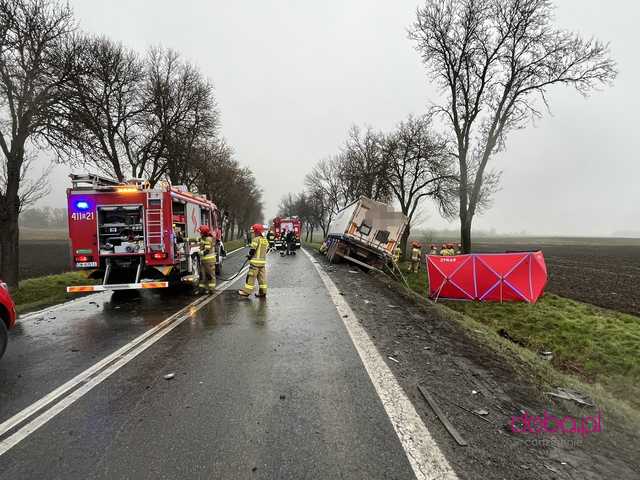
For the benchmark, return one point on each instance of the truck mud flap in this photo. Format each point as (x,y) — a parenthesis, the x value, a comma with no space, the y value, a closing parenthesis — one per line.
(116,286)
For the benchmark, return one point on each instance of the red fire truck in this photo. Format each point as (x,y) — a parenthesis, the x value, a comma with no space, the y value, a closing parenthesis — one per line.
(133,236)
(283,225)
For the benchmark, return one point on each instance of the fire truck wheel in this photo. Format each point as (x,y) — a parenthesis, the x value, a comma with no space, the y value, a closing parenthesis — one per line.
(4,335)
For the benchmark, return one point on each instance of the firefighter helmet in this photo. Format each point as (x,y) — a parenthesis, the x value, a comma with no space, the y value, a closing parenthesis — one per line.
(205,230)
(257,228)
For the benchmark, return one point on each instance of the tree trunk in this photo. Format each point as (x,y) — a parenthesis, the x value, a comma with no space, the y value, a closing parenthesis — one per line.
(465,234)
(10,251)
(404,242)
(9,211)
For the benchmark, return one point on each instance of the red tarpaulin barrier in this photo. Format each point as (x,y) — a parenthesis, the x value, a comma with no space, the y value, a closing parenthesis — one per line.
(489,277)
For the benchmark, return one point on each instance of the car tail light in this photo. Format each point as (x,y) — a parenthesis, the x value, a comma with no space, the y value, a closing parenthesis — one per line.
(159,255)
(82,258)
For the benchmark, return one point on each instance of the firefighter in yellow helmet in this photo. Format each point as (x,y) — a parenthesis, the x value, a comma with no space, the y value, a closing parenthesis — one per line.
(416,254)
(257,264)
(397,253)
(208,258)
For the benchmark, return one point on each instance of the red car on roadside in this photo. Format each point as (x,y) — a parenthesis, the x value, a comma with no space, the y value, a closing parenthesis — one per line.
(7,316)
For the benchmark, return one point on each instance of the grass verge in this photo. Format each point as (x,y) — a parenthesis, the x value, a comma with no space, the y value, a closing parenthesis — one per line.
(313,245)
(41,292)
(594,349)
(232,245)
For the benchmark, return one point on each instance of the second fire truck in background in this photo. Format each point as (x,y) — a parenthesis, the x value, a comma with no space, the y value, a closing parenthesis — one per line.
(281,225)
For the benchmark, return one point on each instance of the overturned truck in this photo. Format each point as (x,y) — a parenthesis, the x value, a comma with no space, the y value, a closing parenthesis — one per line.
(365,233)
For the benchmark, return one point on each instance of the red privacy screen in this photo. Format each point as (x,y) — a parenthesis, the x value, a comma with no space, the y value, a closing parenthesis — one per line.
(488,277)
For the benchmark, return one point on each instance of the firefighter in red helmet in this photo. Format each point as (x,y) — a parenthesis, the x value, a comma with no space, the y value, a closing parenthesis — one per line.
(257,264)
(208,258)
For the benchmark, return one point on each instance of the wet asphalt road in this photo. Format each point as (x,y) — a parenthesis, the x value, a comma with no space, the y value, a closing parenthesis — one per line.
(269,389)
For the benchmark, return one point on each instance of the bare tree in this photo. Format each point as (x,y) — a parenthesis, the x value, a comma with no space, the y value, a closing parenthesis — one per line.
(129,117)
(182,113)
(496,60)
(33,69)
(98,123)
(320,211)
(419,167)
(327,182)
(363,165)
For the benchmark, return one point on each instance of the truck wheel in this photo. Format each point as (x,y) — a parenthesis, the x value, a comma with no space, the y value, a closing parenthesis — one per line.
(4,336)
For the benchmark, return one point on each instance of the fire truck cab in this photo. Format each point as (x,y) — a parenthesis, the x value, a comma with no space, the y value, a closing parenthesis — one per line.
(131,235)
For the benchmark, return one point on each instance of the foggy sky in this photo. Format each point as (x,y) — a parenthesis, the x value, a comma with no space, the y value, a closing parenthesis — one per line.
(292,76)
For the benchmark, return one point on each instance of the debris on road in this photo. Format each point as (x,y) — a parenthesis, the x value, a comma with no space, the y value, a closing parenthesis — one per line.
(573,396)
(548,356)
(551,469)
(393,359)
(445,421)
(169,376)
(477,413)
(353,271)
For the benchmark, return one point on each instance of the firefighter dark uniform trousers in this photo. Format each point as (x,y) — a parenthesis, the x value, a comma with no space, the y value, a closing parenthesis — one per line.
(208,275)
(257,266)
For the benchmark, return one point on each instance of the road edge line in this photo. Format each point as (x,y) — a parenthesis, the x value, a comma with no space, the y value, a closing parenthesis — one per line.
(426,459)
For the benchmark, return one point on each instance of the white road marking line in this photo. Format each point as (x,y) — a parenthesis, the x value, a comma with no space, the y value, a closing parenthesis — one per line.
(425,457)
(121,357)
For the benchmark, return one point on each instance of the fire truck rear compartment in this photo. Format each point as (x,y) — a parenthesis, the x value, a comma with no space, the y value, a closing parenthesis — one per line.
(121,230)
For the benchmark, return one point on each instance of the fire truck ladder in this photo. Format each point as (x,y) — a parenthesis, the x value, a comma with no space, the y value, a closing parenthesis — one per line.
(153,222)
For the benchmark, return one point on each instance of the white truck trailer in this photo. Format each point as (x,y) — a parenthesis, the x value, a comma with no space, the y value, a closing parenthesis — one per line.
(366,233)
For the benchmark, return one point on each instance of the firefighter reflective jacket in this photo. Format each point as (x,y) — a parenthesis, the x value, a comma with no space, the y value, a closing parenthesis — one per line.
(415,254)
(207,250)
(258,252)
